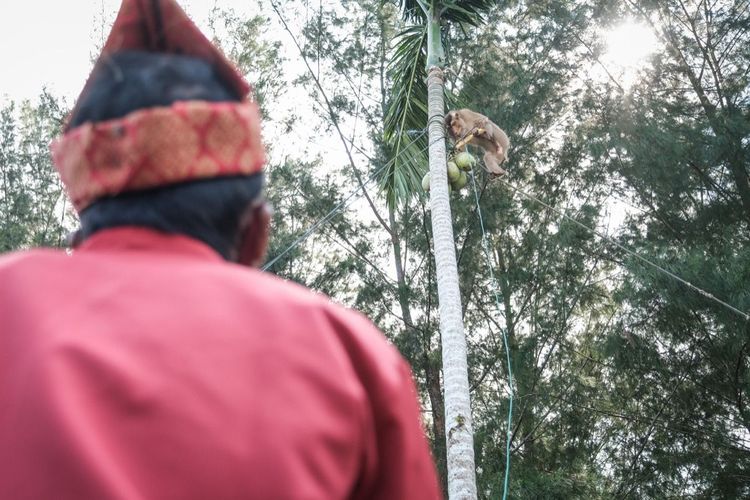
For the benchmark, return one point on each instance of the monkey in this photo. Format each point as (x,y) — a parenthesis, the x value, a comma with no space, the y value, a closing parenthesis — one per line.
(493,140)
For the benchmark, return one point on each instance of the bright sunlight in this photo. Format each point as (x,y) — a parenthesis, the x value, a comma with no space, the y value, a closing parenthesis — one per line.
(628,47)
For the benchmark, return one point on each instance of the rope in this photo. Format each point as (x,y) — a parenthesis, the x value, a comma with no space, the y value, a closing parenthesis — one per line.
(341,205)
(486,247)
(625,249)
(435,118)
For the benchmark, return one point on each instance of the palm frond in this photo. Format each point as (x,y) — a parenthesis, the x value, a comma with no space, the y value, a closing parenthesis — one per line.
(469,12)
(407,110)
(413,10)
(457,11)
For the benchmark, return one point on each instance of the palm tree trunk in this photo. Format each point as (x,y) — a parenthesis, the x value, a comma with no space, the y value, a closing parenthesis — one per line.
(458,422)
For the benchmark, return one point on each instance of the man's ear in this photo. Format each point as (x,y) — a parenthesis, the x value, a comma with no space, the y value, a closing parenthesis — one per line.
(254,235)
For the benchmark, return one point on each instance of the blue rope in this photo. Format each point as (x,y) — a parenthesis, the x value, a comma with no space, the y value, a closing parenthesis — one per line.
(485,245)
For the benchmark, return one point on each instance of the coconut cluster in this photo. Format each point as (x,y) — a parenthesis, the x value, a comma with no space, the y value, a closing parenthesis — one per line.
(457,168)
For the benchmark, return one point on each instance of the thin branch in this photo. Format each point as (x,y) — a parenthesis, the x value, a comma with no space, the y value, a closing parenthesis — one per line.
(355,171)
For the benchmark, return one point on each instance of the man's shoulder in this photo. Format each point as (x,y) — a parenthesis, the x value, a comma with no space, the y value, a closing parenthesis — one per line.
(294,294)
(354,329)
(272,287)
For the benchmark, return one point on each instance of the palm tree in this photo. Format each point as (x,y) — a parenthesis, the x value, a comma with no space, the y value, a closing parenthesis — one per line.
(419,50)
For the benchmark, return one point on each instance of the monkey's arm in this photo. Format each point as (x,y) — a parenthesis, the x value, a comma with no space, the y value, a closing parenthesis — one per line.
(481,122)
(490,131)
(463,142)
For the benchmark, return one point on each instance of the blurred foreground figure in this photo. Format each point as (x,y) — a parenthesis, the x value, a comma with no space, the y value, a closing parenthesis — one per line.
(150,363)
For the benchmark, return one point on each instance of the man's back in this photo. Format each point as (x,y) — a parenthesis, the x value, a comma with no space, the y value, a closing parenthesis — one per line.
(145,366)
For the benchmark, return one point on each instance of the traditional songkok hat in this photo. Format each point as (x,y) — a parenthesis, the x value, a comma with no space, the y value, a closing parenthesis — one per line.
(162,145)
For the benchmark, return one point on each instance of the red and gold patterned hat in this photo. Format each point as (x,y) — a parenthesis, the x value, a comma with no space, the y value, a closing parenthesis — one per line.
(152,147)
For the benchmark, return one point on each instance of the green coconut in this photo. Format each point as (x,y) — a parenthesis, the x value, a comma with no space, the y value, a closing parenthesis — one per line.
(465,160)
(453,171)
(426,182)
(460,182)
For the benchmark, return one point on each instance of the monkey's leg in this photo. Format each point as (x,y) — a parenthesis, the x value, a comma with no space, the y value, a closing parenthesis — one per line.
(501,154)
(490,160)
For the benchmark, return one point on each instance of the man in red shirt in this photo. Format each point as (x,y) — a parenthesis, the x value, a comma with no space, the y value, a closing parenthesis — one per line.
(150,363)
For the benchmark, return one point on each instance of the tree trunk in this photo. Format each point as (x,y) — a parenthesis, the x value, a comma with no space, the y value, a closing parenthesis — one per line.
(434,392)
(431,369)
(458,422)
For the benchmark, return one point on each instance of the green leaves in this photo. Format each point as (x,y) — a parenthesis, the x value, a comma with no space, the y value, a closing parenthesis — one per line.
(414,10)
(406,117)
(245,41)
(32,203)
(468,12)
(457,11)
(407,108)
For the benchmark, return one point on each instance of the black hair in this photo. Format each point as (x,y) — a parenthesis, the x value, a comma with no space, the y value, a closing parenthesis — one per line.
(209,210)
(131,80)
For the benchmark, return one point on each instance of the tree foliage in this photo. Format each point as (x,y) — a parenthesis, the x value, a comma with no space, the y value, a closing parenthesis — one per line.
(33,206)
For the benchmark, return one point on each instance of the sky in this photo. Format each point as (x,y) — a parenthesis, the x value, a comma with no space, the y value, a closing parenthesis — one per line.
(47,43)
(51,42)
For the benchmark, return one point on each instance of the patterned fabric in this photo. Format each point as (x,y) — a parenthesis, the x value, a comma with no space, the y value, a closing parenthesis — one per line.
(159,146)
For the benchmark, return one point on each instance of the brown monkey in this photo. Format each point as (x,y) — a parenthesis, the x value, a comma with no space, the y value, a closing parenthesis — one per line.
(493,140)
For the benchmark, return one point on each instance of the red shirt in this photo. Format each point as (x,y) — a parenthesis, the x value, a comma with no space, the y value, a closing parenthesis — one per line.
(145,366)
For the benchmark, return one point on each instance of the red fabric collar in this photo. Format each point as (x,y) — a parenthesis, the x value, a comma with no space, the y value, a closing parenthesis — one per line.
(132,238)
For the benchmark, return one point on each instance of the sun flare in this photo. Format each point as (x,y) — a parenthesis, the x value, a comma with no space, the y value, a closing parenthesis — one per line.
(628,46)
